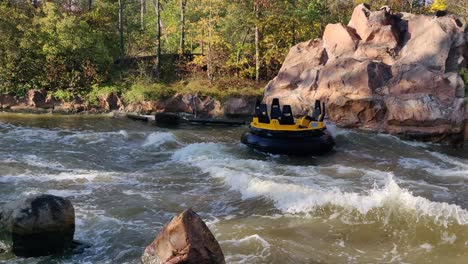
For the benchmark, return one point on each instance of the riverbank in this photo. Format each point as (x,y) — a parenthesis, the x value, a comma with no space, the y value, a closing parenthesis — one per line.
(39,102)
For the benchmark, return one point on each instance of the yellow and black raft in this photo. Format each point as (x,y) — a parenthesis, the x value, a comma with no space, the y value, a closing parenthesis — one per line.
(281,133)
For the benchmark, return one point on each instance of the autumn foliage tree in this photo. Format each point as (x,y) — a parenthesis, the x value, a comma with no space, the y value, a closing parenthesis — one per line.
(73,45)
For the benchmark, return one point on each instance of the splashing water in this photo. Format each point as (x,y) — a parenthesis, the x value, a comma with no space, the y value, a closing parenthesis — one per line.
(376,199)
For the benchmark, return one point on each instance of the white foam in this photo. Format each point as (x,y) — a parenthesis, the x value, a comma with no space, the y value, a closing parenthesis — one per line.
(250,179)
(336,131)
(143,195)
(31,135)
(92,137)
(417,144)
(426,246)
(448,239)
(450,160)
(72,175)
(200,151)
(251,241)
(36,161)
(62,193)
(123,133)
(456,169)
(157,139)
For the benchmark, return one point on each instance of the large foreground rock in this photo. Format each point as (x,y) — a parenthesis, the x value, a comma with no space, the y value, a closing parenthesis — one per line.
(395,73)
(37,225)
(186,239)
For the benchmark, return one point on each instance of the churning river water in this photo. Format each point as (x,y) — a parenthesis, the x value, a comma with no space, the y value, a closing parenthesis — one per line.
(375,199)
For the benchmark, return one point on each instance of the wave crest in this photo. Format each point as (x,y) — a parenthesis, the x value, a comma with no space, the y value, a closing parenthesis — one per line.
(253,178)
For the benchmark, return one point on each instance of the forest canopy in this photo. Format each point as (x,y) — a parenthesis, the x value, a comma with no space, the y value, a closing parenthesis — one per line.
(70,47)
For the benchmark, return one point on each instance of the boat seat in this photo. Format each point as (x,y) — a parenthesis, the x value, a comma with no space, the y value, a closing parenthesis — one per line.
(257,108)
(287,117)
(275,112)
(263,114)
(317,111)
(322,116)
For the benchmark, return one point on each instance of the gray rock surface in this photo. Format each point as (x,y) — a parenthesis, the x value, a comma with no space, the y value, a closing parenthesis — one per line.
(37,225)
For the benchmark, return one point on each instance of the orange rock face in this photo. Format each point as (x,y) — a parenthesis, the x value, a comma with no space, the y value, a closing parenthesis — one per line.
(339,40)
(397,73)
(186,239)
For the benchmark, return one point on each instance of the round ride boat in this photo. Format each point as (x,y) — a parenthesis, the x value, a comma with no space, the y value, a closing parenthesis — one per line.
(281,133)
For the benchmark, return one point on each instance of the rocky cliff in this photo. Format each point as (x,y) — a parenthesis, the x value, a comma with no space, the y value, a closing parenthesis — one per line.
(395,73)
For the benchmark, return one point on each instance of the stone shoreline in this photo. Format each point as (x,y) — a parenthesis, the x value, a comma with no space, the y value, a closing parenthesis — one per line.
(202,106)
(36,101)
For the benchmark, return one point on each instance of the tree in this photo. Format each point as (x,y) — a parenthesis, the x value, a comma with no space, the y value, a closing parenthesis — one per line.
(183,4)
(121,30)
(157,9)
(458,8)
(257,42)
(439,5)
(142,14)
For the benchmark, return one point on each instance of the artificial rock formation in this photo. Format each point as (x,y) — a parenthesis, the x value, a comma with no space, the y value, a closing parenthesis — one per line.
(186,239)
(396,73)
(37,225)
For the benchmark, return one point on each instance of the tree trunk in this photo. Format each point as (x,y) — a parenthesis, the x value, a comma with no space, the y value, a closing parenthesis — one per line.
(242,45)
(257,44)
(121,33)
(202,43)
(158,36)
(142,14)
(191,41)
(90,5)
(411,3)
(35,3)
(183,3)
(293,33)
(209,66)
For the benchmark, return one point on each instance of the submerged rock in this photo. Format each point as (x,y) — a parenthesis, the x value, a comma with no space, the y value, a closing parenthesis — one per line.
(395,73)
(186,239)
(38,225)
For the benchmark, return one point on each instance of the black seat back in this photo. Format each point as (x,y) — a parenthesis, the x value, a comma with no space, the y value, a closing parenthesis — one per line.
(263,114)
(275,112)
(287,117)
(317,111)
(257,108)
(322,117)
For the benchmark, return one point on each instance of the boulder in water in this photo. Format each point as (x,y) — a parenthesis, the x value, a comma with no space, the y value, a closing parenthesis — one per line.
(186,239)
(38,225)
